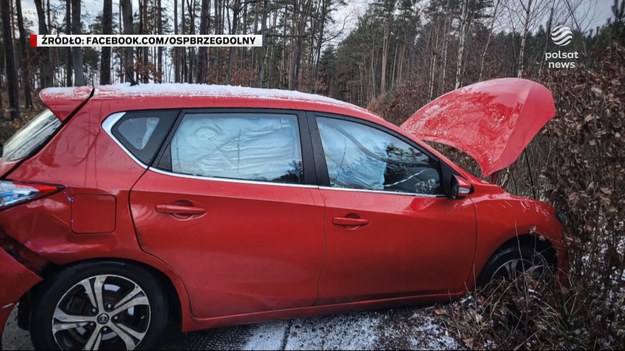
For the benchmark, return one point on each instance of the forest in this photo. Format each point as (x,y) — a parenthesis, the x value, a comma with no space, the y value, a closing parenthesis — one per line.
(319,46)
(393,57)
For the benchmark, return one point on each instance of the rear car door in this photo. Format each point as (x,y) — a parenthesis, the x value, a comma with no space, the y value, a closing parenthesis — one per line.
(231,204)
(390,230)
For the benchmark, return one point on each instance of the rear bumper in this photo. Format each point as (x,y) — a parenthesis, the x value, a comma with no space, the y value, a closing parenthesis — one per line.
(15,281)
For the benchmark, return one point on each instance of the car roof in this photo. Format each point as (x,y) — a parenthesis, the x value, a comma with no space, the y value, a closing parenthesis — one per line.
(124,97)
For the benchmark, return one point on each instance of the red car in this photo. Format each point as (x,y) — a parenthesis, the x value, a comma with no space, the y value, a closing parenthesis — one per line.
(127,211)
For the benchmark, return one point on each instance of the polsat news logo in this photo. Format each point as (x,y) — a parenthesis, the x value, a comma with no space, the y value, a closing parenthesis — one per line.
(561,36)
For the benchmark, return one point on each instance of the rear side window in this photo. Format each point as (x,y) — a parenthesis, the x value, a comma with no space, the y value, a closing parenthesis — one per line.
(142,132)
(259,147)
(31,136)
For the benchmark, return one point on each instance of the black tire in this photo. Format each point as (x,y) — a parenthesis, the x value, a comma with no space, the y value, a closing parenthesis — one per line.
(510,261)
(63,303)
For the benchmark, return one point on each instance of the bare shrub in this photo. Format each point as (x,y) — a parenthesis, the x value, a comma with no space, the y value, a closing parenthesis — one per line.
(578,162)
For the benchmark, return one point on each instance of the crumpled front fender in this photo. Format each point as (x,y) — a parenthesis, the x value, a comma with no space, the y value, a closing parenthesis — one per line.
(15,281)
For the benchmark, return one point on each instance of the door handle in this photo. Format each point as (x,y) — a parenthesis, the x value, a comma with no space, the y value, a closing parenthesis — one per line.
(350,222)
(180,209)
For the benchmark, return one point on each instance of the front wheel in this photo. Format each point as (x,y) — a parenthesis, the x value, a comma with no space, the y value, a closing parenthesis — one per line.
(99,305)
(513,261)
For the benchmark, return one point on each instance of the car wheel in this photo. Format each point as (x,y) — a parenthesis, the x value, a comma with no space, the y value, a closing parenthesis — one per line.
(99,305)
(511,262)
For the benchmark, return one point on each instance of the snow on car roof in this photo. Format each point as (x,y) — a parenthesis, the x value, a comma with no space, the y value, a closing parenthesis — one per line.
(214,91)
(183,90)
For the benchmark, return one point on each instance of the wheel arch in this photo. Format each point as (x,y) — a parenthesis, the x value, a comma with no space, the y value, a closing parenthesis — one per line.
(532,241)
(51,269)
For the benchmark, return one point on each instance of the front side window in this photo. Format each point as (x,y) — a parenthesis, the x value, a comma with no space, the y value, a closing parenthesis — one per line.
(245,146)
(363,157)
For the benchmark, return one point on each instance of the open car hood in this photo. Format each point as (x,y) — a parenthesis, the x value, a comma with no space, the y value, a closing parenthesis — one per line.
(492,121)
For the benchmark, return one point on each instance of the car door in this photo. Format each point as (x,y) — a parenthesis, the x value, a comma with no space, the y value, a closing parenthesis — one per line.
(231,204)
(390,231)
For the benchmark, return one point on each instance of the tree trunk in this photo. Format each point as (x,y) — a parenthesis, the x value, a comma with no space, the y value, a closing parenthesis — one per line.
(490,34)
(159,28)
(107,28)
(324,15)
(49,13)
(1,98)
(283,68)
(68,52)
(144,72)
(12,83)
(373,80)
(28,100)
(191,59)
(128,65)
(400,69)
(385,45)
(272,56)
(183,50)
(547,35)
(45,67)
(300,17)
(202,63)
(255,30)
(463,37)
(218,30)
(446,26)
(77,57)
(261,58)
(146,61)
(526,24)
(235,19)
(176,51)
(243,53)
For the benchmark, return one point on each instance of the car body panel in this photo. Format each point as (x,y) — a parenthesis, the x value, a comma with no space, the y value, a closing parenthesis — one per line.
(397,252)
(16,281)
(250,318)
(257,247)
(502,217)
(492,121)
(6,166)
(65,101)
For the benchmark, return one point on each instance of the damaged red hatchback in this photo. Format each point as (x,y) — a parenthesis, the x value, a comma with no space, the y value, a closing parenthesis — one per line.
(126,211)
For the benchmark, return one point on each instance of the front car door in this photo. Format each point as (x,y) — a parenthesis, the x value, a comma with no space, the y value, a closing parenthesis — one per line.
(390,231)
(230,205)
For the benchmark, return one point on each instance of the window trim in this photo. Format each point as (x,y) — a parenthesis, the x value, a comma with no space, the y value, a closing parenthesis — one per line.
(107,126)
(322,167)
(111,122)
(231,180)
(308,165)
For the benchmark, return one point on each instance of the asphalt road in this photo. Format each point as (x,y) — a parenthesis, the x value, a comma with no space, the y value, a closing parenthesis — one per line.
(408,328)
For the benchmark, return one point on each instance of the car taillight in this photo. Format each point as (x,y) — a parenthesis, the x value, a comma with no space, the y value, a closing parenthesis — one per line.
(15,193)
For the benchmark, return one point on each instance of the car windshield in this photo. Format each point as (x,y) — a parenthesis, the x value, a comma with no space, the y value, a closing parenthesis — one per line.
(31,136)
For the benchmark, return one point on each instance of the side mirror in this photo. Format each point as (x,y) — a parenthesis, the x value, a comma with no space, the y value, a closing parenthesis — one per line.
(459,188)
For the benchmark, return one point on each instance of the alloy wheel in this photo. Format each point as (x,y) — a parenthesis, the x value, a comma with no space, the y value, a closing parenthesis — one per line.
(102,312)
(514,268)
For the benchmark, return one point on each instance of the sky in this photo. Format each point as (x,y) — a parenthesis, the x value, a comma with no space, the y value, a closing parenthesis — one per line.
(593,12)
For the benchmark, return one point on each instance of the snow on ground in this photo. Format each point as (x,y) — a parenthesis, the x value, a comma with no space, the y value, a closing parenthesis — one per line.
(407,328)
(340,332)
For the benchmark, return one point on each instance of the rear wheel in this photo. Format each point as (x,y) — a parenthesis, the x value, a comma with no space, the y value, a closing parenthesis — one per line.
(99,305)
